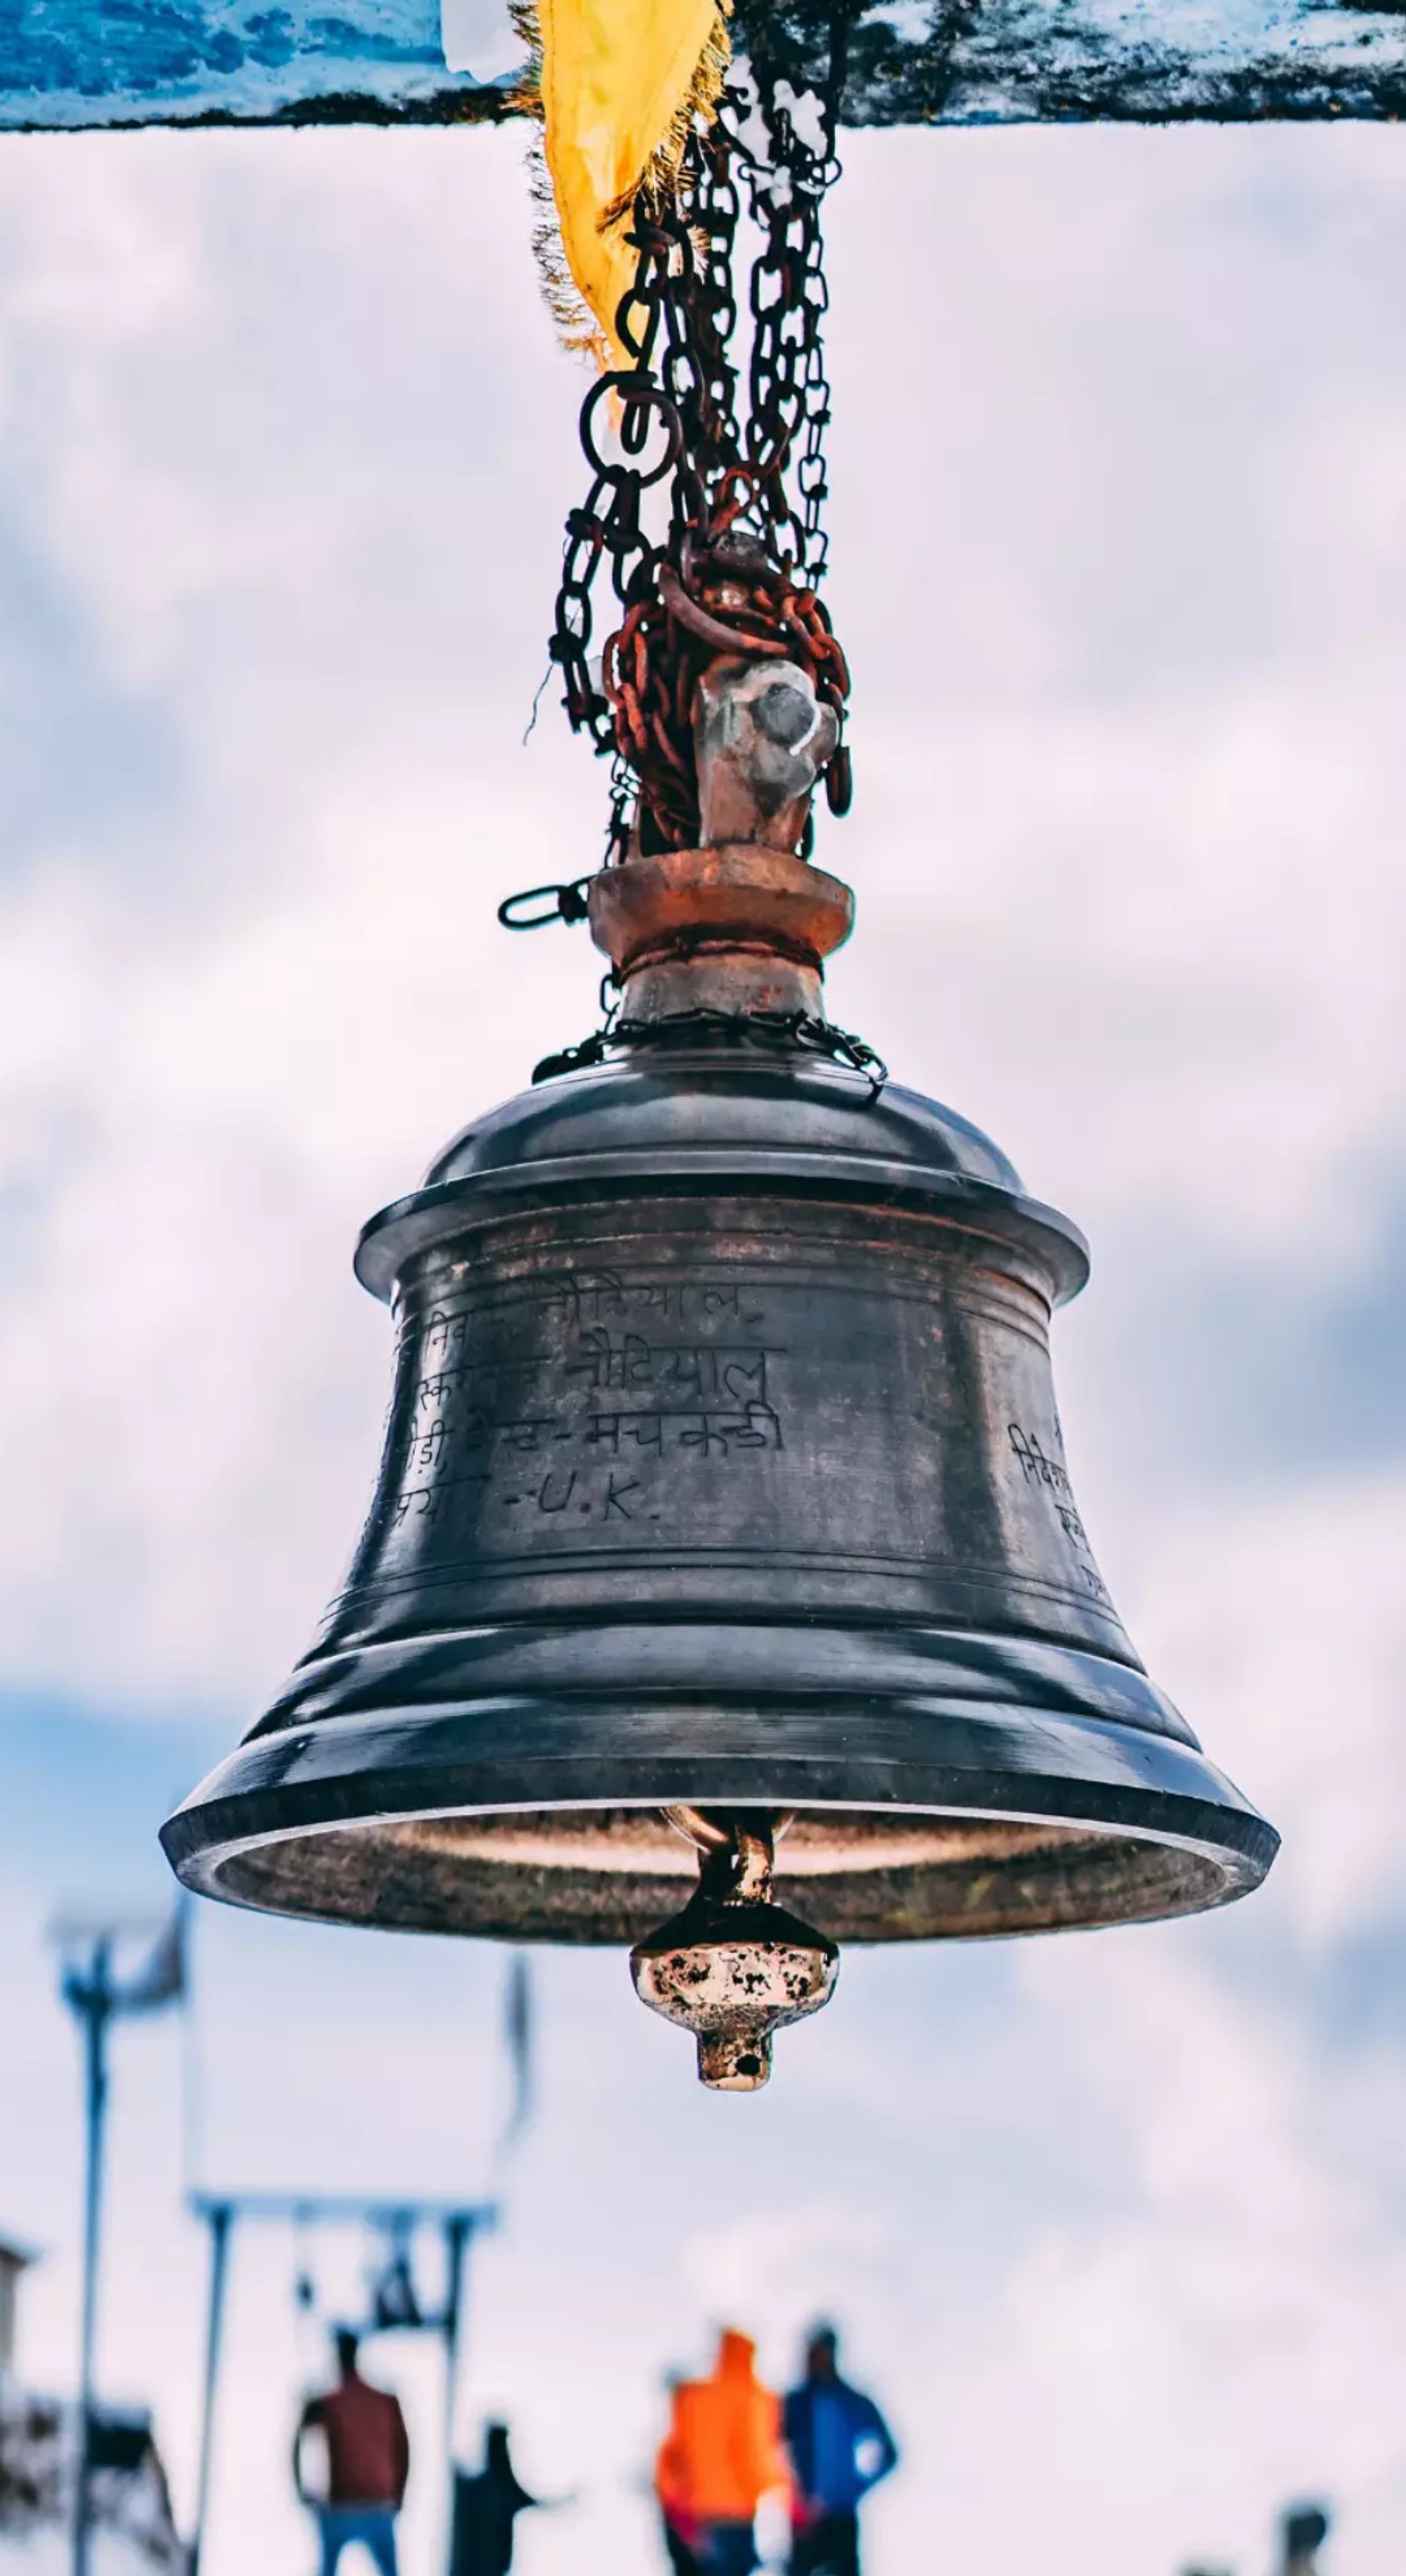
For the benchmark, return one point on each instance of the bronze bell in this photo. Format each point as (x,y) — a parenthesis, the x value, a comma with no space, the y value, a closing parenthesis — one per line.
(723,1507)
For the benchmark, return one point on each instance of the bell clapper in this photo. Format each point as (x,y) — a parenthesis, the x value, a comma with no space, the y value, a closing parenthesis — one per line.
(734,1966)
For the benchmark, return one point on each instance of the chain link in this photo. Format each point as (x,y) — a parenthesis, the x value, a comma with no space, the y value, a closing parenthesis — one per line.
(773,1032)
(740,545)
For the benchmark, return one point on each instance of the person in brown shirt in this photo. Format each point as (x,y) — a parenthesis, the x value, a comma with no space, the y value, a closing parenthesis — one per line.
(368,2464)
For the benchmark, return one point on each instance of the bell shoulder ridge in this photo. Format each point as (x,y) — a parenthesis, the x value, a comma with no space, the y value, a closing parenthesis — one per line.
(708,1104)
(662,1119)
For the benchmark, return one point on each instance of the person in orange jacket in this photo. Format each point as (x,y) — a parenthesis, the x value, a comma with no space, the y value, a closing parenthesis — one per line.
(722,2453)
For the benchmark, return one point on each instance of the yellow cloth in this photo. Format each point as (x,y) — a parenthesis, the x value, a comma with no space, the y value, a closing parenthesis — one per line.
(621,81)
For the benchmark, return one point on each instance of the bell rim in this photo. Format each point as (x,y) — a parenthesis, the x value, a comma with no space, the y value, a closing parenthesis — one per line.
(1154,1790)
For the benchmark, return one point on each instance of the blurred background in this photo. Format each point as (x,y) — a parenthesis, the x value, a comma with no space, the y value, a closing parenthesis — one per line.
(1116,2226)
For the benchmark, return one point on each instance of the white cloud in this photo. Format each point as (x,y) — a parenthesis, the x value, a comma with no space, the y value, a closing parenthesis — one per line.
(1278,1623)
(1153,938)
(790,2266)
(1169,2371)
(285,449)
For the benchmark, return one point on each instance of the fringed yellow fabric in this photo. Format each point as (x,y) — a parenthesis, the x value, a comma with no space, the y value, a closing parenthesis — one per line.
(618,85)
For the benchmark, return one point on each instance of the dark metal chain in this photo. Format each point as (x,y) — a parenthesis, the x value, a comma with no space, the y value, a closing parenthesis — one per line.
(774,1032)
(790,392)
(677,435)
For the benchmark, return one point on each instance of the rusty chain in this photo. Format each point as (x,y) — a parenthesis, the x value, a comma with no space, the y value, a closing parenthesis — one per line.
(730,553)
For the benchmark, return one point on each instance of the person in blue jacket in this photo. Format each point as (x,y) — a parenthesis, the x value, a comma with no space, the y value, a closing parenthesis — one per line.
(840,2447)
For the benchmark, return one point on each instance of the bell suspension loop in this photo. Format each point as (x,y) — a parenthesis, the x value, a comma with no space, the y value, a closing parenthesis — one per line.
(720,694)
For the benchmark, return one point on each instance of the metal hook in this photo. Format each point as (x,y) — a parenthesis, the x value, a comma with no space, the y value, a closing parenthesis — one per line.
(567,903)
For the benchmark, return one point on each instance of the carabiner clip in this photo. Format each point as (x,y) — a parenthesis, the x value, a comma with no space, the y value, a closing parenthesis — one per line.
(567,903)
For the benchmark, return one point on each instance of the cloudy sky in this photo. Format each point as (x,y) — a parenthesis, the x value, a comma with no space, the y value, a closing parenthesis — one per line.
(1115,2224)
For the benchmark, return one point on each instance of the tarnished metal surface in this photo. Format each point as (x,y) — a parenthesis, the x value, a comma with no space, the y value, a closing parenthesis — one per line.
(71,63)
(723,1469)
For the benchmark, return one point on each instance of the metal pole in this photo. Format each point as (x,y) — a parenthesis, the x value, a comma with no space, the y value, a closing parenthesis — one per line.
(458,2235)
(220,2219)
(91,1998)
(458,2232)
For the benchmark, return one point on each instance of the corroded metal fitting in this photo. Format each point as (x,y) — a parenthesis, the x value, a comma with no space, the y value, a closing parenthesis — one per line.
(740,927)
(761,739)
(734,1966)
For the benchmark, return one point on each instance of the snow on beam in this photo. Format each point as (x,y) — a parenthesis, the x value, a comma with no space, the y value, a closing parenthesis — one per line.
(71,63)
(74,63)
